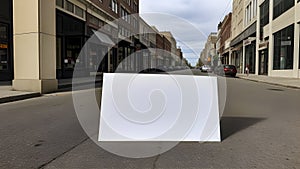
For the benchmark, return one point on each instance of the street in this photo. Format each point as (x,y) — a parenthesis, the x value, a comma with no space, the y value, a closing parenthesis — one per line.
(260,129)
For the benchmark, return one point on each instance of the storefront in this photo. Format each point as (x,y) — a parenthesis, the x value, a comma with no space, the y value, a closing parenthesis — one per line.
(6,49)
(237,58)
(70,38)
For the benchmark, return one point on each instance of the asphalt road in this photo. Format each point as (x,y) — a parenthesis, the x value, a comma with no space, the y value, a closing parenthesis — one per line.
(260,129)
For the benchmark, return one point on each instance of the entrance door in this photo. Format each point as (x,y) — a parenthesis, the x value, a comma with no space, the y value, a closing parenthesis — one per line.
(5,57)
(263,62)
(70,58)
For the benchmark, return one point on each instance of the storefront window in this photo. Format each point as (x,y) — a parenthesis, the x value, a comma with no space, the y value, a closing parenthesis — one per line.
(3,58)
(3,47)
(3,32)
(284,49)
(73,48)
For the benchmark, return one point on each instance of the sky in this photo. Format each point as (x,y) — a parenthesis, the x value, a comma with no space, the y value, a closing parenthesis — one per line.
(190,21)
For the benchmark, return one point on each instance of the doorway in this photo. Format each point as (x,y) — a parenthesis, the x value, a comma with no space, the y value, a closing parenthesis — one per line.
(263,62)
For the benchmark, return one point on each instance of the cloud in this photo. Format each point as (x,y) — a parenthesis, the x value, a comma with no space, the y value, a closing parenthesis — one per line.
(203,15)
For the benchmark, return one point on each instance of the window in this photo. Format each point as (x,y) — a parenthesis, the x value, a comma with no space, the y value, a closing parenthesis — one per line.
(284,49)
(79,12)
(125,15)
(135,6)
(128,2)
(69,6)
(93,20)
(264,16)
(135,23)
(114,6)
(60,3)
(280,6)
(264,13)
(255,7)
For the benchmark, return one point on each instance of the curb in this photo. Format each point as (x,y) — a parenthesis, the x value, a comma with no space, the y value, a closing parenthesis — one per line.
(19,97)
(70,85)
(270,83)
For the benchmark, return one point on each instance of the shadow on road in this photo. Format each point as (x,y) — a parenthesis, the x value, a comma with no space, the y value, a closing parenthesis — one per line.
(232,125)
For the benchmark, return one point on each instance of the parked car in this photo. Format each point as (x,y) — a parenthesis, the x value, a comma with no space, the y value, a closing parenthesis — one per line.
(206,68)
(226,70)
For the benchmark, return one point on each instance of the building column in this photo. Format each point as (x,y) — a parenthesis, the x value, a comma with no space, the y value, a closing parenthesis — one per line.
(34,45)
(244,56)
(271,41)
(230,57)
(296,50)
(257,57)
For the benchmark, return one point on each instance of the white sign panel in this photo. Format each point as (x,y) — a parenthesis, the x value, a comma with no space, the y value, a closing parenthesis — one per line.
(144,107)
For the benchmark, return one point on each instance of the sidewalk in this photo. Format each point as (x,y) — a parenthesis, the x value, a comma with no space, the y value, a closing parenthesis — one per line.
(7,94)
(279,81)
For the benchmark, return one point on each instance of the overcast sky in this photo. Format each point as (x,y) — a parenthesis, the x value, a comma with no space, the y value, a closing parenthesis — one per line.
(202,15)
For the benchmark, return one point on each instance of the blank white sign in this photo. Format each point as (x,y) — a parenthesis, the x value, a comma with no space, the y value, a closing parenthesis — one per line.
(144,107)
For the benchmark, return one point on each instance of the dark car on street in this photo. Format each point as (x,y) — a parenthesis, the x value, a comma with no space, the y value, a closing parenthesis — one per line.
(226,70)
(152,71)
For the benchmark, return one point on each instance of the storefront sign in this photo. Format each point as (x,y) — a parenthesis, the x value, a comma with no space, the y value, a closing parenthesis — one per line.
(286,43)
(3,46)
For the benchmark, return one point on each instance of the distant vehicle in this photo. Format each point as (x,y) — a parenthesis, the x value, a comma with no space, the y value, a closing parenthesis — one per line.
(152,71)
(226,70)
(206,68)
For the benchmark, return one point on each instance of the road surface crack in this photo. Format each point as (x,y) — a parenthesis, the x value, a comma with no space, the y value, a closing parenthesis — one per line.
(155,161)
(60,155)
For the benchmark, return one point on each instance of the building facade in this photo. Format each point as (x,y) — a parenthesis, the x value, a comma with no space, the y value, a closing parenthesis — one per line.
(40,40)
(244,41)
(269,41)
(278,53)
(225,39)
(173,59)
(209,55)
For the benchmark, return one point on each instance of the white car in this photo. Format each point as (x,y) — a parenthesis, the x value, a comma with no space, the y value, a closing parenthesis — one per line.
(206,68)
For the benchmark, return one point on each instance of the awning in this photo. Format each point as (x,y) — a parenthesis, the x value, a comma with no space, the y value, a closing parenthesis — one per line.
(104,38)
